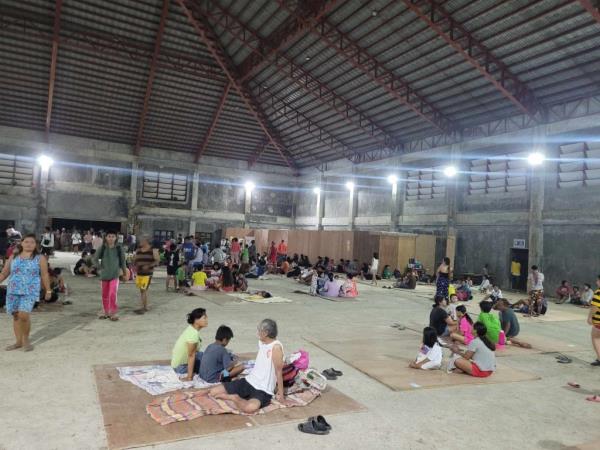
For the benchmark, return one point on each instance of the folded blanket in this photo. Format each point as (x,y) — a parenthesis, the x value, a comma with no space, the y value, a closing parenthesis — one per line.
(190,405)
(158,380)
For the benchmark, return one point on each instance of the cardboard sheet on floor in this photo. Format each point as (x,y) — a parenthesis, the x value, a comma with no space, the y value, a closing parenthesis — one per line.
(127,425)
(386,360)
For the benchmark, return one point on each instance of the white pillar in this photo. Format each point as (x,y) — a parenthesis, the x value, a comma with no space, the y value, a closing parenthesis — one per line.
(194,202)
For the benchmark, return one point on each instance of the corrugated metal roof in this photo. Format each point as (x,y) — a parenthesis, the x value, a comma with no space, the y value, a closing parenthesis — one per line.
(316,97)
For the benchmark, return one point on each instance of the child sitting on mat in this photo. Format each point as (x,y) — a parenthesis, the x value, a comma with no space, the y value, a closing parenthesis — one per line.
(464,333)
(490,320)
(430,354)
(479,360)
(217,363)
(185,357)
(509,323)
(256,390)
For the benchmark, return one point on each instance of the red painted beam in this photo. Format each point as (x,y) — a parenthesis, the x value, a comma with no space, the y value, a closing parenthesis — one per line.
(360,59)
(106,44)
(53,60)
(303,79)
(157,43)
(213,123)
(590,8)
(289,30)
(207,36)
(475,53)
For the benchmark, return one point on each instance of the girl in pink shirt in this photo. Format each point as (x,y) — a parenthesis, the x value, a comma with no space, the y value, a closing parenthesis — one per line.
(464,333)
(235,251)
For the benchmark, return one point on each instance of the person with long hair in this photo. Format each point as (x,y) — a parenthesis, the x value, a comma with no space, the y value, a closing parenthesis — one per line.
(479,360)
(535,288)
(110,259)
(430,353)
(27,272)
(444,275)
(464,331)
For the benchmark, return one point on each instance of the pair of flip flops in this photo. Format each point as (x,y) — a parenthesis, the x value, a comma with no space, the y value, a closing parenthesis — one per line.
(315,425)
(562,359)
(332,374)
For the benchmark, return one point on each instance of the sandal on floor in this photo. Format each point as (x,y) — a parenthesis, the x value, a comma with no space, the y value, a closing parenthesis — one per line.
(593,398)
(12,347)
(573,384)
(329,375)
(139,311)
(311,427)
(563,360)
(337,373)
(102,317)
(321,422)
(114,318)
(28,348)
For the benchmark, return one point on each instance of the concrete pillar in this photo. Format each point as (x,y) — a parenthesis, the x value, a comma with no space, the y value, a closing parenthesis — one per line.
(352,206)
(42,174)
(452,189)
(537,181)
(397,202)
(247,207)
(194,202)
(133,187)
(320,210)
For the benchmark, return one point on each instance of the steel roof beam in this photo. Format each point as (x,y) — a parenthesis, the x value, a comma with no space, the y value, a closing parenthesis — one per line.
(346,47)
(213,123)
(53,61)
(208,37)
(155,55)
(106,43)
(224,18)
(590,8)
(475,53)
(289,30)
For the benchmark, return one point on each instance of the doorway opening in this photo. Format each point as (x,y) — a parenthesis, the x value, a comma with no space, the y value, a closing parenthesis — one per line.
(521,255)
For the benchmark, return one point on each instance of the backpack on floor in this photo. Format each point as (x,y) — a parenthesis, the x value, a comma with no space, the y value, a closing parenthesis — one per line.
(289,372)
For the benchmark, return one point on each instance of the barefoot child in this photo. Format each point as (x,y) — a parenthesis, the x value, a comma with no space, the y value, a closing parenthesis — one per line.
(479,360)
(217,363)
(430,354)
(510,323)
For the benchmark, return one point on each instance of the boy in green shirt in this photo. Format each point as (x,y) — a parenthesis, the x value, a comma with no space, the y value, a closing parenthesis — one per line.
(490,320)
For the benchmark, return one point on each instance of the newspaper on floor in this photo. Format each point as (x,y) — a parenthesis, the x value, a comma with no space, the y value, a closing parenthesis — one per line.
(158,380)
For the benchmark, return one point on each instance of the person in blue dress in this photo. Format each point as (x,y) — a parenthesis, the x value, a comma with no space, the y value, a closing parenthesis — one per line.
(26,271)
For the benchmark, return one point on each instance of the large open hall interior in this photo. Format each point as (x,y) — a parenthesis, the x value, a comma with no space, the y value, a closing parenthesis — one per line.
(302,224)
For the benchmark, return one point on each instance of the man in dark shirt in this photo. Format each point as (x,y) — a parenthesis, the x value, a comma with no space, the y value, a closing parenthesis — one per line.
(509,323)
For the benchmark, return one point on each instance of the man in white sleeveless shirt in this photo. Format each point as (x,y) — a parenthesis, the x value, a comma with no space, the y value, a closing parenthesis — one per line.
(256,390)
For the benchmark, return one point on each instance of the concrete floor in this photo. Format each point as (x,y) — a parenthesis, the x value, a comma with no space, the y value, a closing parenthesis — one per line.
(49,396)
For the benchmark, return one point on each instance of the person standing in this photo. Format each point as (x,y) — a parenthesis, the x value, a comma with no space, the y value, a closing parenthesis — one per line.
(110,260)
(97,242)
(235,250)
(76,241)
(443,278)
(87,241)
(593,319)
(252,251)
(145,259)
(272,254)
(535,287)
(374,268)
(515,273)
(282,250)
(47,242)
(27,272)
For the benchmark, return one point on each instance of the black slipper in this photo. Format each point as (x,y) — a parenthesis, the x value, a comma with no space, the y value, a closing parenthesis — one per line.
(311,427)
(321,422)
(337,373)
(329,375)
(564,360)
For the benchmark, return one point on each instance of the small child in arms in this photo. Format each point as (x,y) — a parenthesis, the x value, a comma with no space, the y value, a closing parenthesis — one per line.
(430,354)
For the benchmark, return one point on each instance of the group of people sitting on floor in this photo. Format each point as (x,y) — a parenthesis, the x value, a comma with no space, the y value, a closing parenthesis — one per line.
(217,365)
(575,295)
(451,326)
